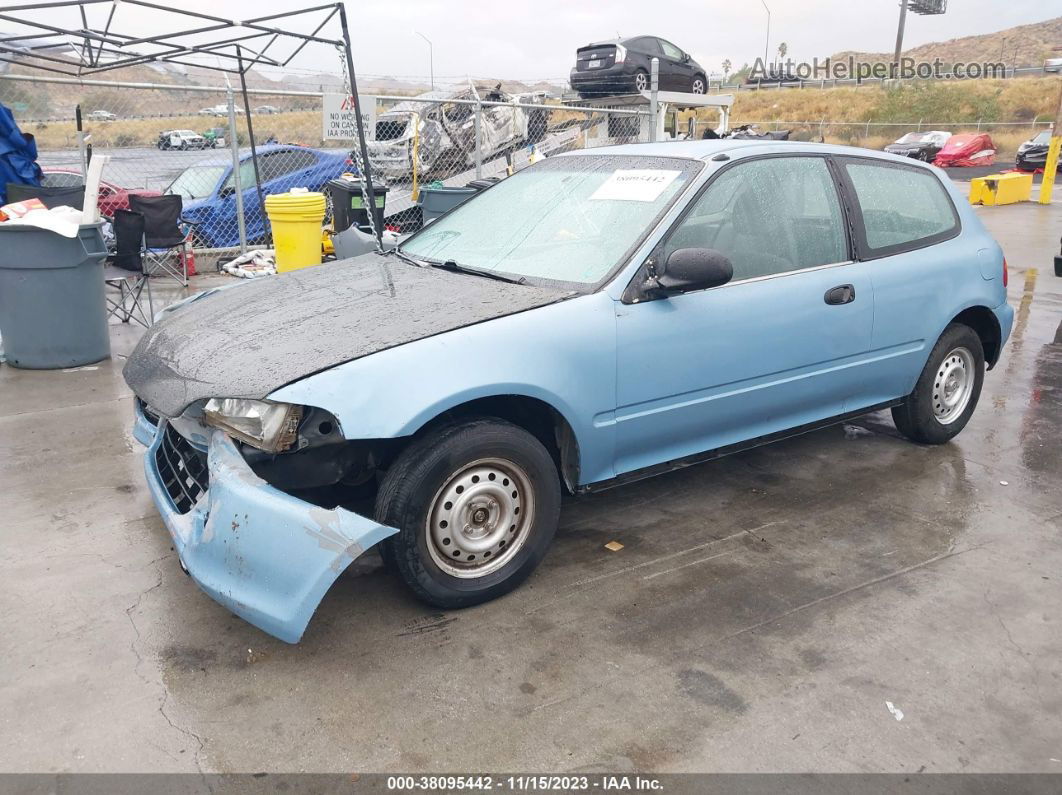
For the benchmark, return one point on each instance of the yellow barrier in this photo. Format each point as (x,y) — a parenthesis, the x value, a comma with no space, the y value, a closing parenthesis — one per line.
(296,219)
(1050,167)
(1001,189)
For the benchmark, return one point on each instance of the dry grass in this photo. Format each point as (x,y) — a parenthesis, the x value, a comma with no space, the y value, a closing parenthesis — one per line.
(303,127)
(873,117)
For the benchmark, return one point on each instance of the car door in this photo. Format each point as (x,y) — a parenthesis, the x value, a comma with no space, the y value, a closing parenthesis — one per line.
(906,230)
(678,67)
(769,351)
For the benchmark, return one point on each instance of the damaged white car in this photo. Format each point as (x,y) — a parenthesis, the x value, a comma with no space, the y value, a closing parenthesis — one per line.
(438,128)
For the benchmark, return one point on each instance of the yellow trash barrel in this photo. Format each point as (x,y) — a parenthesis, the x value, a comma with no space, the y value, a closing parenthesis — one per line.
(296,219)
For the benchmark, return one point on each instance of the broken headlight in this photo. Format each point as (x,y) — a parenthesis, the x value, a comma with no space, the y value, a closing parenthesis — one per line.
(269,426)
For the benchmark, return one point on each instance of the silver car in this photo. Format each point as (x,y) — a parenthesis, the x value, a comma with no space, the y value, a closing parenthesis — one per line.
(443,126)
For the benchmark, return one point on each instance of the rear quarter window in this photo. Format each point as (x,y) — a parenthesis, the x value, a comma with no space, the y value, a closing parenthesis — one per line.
(901,207)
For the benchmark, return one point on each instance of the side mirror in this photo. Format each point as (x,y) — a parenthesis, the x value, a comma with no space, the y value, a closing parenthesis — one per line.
(227,191)
(685,57)
(689,269)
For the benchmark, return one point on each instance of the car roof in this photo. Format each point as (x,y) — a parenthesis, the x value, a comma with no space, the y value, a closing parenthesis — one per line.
(706,149)
(622,40)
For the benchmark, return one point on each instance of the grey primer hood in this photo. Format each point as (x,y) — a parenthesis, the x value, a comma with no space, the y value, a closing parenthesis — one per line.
(251,340)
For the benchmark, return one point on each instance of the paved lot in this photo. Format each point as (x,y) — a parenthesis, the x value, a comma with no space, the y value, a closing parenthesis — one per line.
(762,612)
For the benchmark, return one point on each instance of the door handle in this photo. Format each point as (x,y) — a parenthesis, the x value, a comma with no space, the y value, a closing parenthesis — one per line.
(842,294)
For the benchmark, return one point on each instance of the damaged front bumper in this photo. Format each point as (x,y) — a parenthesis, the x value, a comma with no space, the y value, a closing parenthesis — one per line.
(265,555)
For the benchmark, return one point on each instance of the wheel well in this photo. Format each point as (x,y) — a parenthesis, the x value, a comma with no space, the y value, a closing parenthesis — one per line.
(982,320)
(535,416)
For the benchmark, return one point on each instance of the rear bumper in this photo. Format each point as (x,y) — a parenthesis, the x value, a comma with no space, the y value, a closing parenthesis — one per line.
(618,76)
(265,555)
(1005,315)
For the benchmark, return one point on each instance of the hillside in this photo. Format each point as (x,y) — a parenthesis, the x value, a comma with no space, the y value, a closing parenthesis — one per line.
(1025,45)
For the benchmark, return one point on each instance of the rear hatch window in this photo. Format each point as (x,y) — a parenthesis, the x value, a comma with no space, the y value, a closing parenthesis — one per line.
(596,56)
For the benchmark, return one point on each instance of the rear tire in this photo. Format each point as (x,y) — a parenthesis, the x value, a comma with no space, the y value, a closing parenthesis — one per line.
(641,80)
(476,506)
(946,393)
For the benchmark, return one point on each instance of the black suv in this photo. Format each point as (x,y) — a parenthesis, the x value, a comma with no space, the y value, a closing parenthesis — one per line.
(622,65)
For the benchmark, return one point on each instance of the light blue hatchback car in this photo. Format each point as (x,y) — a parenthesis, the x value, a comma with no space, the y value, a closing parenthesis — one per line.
(599,317)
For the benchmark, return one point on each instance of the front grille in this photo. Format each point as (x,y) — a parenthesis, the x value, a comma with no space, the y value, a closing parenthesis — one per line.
(149,415)
(183,470)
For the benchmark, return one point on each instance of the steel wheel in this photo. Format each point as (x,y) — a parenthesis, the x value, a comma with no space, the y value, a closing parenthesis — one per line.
(698,86)
(480,518)
(953,385)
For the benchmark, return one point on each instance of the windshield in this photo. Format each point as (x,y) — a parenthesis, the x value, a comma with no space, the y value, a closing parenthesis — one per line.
(914,138)
(196,182)
(1042,137)
(566,219)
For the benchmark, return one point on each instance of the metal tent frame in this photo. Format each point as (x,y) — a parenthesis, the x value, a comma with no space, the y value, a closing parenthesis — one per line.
(235,46)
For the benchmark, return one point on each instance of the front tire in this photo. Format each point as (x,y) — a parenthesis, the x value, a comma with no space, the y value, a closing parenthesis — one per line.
(476,506)
(946,394)
(699,84)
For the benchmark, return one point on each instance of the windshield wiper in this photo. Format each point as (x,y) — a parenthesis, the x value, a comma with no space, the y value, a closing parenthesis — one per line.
(406,258)
(451,265)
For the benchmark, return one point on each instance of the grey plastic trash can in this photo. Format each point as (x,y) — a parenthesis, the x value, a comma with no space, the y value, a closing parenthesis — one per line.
(53,311)
(437,201)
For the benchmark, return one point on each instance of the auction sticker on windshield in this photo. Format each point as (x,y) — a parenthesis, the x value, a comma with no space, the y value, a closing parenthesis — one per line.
(635,185)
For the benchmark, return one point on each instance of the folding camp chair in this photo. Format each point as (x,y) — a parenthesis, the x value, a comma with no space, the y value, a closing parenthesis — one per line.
(163,237)
(126,274)
(67,196)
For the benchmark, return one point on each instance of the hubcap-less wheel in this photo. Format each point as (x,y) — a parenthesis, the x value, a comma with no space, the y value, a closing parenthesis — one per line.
(480,518)
(698,86)
(641,81)
(953,385)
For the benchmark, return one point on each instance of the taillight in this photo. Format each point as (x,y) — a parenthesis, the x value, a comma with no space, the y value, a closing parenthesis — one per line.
(621,53)
(1004,271)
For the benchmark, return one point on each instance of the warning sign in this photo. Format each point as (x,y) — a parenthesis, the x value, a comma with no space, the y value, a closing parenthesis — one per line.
(338,117)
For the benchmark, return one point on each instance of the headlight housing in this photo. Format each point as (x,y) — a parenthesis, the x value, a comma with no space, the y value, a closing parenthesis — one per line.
(269,426)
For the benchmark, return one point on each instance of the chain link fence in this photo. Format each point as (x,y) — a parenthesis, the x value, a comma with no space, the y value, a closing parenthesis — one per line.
(195,141)
(451,138)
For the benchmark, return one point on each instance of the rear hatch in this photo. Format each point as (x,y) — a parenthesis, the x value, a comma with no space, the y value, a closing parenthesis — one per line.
(595,56)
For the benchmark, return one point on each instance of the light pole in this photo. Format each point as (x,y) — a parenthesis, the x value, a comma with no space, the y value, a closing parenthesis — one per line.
(899,39)
(767,43)
(431,58)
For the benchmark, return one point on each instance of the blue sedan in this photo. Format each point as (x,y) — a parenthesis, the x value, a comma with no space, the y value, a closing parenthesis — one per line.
(209,189)
(599,317)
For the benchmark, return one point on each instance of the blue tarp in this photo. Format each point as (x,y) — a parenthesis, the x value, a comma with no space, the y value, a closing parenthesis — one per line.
(18,155)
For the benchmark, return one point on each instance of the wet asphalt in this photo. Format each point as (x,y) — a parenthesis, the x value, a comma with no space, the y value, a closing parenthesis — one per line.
(762,611)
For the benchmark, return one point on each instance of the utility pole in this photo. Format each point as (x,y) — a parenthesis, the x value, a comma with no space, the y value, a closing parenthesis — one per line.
(899,39)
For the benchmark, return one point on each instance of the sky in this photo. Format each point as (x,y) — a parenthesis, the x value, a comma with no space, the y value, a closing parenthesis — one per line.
(531,41)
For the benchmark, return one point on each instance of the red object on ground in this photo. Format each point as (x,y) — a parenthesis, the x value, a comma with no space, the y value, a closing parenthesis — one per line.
(967,149)
(112,197)
(188,255)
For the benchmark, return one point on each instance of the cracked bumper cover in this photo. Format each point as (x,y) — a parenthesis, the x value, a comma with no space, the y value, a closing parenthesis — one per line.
(265,555)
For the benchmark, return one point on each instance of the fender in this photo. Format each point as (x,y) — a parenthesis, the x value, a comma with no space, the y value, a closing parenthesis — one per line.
(563,354)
